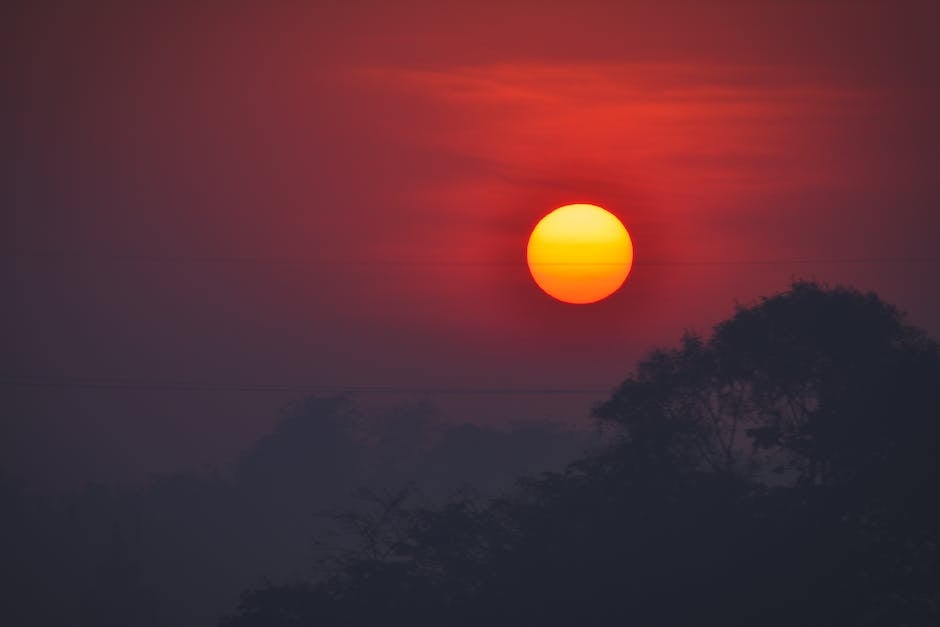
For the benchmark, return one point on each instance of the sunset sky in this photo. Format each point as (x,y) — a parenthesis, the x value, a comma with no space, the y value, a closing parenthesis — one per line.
(338,195)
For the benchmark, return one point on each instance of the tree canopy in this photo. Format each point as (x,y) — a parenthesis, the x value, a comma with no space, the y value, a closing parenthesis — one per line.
(781,471)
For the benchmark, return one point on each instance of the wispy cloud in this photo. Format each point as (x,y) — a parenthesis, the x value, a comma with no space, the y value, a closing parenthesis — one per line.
(705,128)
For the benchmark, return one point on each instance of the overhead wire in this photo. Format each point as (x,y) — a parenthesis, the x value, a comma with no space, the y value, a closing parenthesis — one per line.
(205,386)
(334,261)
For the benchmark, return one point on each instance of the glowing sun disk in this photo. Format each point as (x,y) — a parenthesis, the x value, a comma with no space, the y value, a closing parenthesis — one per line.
(579,253)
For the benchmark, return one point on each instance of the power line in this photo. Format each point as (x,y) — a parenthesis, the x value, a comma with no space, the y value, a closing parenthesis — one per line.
(334,261)
(204,386)
(757,262)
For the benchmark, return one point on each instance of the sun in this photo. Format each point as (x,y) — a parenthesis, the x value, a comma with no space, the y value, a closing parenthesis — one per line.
(579,253)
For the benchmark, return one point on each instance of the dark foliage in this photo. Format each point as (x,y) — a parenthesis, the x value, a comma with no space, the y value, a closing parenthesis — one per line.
(781,472)
(178,550)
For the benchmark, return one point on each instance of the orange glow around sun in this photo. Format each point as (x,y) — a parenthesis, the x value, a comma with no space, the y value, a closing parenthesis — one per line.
(580,253)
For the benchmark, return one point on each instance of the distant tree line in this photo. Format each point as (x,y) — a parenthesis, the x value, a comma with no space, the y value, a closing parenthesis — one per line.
(178,550)
(783,471)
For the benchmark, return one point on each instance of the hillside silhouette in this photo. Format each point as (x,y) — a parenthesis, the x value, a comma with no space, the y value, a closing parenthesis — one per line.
(782,471)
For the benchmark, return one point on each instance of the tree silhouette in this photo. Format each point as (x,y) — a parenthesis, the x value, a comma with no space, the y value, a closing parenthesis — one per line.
(779,472)
(179,549)
(819,384)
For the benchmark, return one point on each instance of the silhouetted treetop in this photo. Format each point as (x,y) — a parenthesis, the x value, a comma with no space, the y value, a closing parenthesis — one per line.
(781,472)
(813,383)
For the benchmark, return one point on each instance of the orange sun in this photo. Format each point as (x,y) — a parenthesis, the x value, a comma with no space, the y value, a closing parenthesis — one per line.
(579,253)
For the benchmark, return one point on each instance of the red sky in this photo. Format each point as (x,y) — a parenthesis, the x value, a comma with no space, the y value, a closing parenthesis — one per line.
(339,194)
